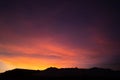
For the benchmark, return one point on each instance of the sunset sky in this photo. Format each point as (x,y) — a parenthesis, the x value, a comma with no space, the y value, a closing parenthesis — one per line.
(36,34)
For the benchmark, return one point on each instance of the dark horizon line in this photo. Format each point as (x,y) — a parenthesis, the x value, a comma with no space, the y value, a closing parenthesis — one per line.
(60,68)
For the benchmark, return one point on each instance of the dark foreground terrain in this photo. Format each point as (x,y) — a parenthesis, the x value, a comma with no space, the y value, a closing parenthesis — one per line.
(61,74)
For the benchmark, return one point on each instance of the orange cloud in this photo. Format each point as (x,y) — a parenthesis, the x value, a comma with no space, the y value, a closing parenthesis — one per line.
(40,53)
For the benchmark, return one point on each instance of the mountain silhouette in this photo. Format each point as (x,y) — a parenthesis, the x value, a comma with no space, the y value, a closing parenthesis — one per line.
(53,73)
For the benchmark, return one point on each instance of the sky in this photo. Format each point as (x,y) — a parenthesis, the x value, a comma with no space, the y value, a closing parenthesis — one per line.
(37,34)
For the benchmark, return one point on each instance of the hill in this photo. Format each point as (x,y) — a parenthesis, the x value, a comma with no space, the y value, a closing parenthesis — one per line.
(53,73)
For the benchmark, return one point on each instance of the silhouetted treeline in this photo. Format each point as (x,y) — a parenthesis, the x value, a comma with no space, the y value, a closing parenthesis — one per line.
(61,74)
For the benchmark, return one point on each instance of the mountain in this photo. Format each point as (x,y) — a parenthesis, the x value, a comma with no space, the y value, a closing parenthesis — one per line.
(53,73)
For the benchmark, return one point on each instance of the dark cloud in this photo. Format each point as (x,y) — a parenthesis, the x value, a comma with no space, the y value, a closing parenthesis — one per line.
(33,55)
(112,61)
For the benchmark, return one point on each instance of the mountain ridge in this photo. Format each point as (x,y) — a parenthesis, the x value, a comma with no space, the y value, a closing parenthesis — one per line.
(54,73)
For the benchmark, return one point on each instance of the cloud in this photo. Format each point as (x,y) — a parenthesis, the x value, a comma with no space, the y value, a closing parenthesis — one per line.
(33,55)
(64,31)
